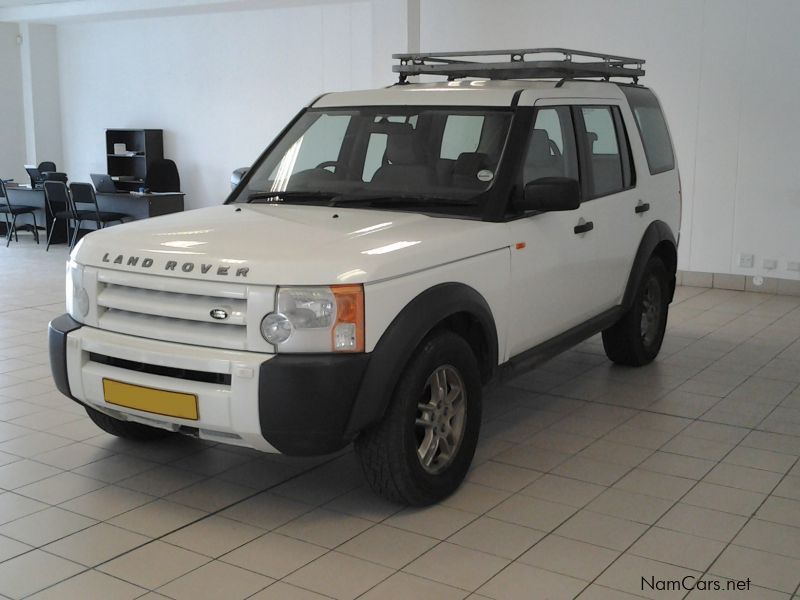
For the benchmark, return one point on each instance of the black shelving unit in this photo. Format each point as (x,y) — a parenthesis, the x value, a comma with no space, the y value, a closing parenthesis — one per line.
(129,170)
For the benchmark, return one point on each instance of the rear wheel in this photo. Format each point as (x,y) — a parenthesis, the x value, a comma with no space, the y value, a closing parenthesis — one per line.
(125,429)
(635,340)
(421,450)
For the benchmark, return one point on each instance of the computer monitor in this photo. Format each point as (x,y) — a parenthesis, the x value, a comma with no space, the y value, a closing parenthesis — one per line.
(37,179)
(103,183)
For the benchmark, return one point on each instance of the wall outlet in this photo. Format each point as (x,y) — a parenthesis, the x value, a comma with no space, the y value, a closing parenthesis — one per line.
(746,261)
(770,264)
(793,265)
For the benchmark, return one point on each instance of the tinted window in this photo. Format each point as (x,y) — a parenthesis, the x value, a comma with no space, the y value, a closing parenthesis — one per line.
(602,147)
(551,146)
(652,127)
(462,133)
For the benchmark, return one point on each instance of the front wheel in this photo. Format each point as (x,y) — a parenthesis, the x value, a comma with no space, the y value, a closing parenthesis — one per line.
(636,338)
(420,452)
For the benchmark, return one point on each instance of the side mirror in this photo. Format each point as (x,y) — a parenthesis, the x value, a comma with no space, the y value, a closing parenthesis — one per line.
(238,175)
(550,194)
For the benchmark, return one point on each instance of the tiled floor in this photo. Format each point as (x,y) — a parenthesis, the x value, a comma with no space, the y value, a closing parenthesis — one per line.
(588,478)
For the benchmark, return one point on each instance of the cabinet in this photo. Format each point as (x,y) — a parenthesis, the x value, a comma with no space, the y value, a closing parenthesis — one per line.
(142,146)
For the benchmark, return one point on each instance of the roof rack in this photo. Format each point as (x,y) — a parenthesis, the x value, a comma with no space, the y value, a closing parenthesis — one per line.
(453,65)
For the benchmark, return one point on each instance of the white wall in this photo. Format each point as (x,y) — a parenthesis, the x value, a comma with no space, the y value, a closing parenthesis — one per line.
(12,119)
(40,93)
(220,85)
(727,74)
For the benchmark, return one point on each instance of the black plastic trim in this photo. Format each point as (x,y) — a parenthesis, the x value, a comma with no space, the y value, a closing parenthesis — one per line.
(57,332)
(140,367)
(656,232)
(305,400)
(546,350)
(393,351)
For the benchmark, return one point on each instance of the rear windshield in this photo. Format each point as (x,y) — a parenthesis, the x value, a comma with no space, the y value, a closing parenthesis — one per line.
(652,127)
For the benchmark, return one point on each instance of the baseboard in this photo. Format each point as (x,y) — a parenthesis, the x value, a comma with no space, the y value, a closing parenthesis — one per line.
(726,281)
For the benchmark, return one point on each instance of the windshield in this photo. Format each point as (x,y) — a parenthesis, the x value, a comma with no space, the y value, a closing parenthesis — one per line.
(434,157)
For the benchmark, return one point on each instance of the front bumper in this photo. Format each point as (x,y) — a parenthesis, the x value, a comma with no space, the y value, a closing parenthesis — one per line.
(294,404)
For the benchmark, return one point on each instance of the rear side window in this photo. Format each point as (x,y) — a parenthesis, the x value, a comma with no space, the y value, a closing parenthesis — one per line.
(602,146)
(652,127)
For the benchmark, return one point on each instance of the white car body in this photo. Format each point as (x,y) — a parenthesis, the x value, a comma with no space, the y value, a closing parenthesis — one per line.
(537,277)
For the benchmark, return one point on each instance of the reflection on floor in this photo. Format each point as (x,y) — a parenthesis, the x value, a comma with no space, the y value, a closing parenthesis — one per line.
(588,478)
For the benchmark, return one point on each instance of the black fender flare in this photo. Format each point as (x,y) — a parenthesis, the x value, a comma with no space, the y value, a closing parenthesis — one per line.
(656,233)
(408,329)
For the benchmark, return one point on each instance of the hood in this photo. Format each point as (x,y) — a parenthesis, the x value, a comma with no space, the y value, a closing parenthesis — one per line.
(287,244)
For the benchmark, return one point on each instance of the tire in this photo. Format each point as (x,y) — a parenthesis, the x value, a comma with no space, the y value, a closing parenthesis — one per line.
(125,429)
(636,338)
(417,416)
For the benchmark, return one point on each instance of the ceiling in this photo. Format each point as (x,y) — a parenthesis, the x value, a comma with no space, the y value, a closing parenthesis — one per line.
(10,3)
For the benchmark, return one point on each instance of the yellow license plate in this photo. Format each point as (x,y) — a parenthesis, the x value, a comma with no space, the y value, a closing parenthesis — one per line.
(152,400)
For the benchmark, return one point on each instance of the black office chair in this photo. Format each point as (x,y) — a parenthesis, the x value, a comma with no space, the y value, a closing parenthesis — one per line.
(162,176)
(13,211)
(83,193)
(59,204)
(46,167)
(55,176)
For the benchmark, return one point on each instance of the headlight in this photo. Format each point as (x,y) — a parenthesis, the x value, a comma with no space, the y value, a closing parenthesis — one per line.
(317,319)
(77,297)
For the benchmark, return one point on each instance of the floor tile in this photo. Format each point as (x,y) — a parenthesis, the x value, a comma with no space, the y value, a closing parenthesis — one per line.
(283,591)
(216,580)
(780,510)
(770,537)
(214,536)
(274,555)
(601,530)
(388,546)
(60,488)
(718,497)
(339,576)
(519,581)
(763,568)
(324,527)
(107,502)
(563,490)
(745,478)
(32,572)
(266,511)
(157,518)
(210,495)
(46,526)
(96,544)
(676,548)
(705,522)
(496,537)
(9,548)
(649,483)
(569,557)
(153,565)
(641,576)
(91,585)
(502,476)
(435,521)
(403,586)
(532,512)
(457,566)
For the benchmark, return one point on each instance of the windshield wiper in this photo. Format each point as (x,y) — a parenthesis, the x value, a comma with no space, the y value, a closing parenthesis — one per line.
(403,199)
(290,195)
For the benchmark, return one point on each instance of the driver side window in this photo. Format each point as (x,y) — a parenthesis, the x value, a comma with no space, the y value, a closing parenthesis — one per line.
(551,146)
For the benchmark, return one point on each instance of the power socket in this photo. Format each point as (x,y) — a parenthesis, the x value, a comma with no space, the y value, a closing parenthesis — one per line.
(770,264)
(746,261)
(793,265)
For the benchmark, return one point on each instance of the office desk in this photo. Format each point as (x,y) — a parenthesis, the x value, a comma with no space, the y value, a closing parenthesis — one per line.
(138,206)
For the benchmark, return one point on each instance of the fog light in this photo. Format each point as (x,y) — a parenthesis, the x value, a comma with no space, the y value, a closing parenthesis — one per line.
(276,328)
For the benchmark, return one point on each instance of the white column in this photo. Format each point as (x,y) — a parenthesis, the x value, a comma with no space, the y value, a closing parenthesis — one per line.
(41,95)
(395,28)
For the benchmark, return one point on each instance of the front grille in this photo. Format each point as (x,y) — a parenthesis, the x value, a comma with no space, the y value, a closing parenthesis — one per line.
(173,310)
(202,376)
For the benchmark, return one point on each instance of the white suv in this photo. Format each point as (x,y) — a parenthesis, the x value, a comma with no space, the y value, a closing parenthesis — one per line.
(388,255)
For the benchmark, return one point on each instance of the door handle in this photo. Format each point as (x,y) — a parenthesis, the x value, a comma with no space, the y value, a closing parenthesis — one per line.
(642,207)
(584,227)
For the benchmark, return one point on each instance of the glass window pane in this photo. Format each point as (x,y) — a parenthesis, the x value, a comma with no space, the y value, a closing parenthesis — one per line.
(604,158)
(462,133)
(551,146)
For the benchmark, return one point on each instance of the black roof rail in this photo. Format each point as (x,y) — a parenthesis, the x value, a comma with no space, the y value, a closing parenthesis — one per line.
(455,65)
